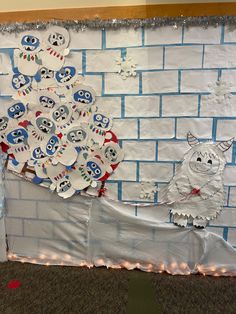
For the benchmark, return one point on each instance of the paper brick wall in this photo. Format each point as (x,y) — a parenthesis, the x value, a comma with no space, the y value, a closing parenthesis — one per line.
(152,114)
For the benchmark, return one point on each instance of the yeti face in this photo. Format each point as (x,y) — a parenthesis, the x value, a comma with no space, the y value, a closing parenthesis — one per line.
(63,186)
(3,123)
(17,136)
(101,121)
(38,154)
(94,170)
(52,145)
(56,39)
(84,96)
(30,43)
(16,111)
(61,114)
(20,81)
(45,125)
(76,136)
(113,153)
(66,75)
(204,162)
(46,102)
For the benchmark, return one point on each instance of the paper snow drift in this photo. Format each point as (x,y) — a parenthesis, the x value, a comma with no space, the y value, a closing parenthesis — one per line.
(52,131)
(196,192)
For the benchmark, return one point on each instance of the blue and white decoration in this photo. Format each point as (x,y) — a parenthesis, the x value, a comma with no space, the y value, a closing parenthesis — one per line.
(176,80)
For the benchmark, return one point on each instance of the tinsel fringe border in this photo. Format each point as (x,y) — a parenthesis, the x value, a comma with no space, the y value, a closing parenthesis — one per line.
(81,25)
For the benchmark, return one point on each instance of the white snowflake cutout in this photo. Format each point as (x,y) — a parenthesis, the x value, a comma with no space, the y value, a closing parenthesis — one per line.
(220,92)
(126,67)
(148,190)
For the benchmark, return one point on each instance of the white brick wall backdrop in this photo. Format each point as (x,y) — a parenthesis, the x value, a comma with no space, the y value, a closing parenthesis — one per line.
(152,114)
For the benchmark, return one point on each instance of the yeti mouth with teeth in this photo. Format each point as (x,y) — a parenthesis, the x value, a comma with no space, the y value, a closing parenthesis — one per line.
(16,111)
(45,125)
(30,43)
(3,123)
(17,136)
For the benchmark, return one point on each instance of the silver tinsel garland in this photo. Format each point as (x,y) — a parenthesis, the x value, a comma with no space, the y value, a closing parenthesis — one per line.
(81,25)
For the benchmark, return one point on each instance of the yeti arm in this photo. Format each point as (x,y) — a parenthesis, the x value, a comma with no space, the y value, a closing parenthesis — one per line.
(211,188)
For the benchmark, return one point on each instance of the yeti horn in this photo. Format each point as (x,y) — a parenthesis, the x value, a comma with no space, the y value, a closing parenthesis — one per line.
(192,140)
(224,146)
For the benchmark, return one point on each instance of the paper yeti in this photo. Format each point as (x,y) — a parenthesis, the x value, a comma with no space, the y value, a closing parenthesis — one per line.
(196,192)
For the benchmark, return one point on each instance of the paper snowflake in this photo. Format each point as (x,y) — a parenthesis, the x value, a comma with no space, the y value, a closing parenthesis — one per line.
(220,92)
(126,67)
(148,190)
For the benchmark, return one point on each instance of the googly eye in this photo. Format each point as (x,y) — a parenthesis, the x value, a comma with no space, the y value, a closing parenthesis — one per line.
(1,120)
(97,171)
(50,101)
(43,72)
(61,75)
(27,38)
(44,121)
(57,113)
(49,147)
(21,77)
(98,117)
(19,133)
(199,159)
(17,107)
(105,120)
(62,110)
(12,109)
(15,80)
(33,40)
(50,124)
(60,37)
(67,71)
(87,95)
(79,132)
(81,93)
(93,165)
(52,141)
(14,133)
(37,150)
